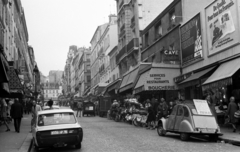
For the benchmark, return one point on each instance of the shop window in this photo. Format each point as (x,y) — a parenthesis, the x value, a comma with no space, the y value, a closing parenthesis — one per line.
(146,40)
(158,31)
(186,112)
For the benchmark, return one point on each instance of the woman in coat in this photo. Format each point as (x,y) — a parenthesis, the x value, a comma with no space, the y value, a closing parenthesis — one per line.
(232,108)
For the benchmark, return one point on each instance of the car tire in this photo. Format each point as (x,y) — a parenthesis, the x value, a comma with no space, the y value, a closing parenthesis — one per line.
(161,131)
(78,146)
(184,136)
(213,138)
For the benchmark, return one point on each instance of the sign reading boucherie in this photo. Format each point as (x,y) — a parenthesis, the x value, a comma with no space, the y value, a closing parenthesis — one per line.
(161,79)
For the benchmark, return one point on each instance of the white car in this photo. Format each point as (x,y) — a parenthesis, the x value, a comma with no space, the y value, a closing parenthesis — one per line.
(57,128)
(53,107)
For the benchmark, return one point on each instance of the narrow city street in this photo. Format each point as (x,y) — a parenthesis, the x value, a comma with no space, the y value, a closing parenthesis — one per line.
(103,135)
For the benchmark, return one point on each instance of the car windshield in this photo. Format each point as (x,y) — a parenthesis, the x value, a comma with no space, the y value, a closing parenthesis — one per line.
(56,119)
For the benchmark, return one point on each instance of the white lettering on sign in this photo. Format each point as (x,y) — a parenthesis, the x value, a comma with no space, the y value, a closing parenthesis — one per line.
(161,87)
(171,52)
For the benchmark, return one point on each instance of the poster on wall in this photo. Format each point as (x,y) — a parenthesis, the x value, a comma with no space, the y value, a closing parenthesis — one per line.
(222,25)
(191,40)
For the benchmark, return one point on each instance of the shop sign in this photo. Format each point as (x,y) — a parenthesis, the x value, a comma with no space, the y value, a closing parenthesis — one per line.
(191,40)
(202,107)
(222,25)
(182,77)
(171,54)
(161,79)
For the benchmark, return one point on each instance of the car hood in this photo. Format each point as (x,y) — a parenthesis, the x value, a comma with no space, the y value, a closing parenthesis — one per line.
(56,127)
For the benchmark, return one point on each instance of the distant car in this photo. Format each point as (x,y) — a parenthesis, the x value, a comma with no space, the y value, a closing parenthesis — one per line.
(48,108)
(56,128)
(186,121)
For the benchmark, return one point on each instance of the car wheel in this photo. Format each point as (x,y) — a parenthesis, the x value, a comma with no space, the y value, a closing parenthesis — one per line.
(184,136)
(213,138)
(78,146)
(161,131)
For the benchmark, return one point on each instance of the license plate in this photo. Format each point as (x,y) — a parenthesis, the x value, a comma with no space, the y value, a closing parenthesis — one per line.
(59,132)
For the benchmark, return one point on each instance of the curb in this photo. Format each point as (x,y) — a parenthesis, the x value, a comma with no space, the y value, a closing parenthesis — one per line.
(30,147)
(230,141)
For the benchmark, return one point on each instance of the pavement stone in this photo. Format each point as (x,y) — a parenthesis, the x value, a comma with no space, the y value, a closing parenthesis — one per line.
(229,136)
(12,141)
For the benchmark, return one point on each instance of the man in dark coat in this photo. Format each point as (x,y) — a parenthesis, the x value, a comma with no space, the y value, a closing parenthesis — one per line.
(17,114)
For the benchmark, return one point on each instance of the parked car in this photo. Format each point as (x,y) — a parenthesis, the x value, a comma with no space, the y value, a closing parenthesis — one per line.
(186,121)
(53,107)
(56,128)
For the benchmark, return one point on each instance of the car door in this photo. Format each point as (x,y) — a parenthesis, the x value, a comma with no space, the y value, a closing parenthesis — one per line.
(179,117)
(171,118)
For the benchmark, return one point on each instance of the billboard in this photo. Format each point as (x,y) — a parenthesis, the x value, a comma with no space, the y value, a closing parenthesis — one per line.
(222,25)
(191,41)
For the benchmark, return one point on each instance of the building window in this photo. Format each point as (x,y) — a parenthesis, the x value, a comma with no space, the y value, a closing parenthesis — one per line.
(158,31)
(172,19)
(146,40)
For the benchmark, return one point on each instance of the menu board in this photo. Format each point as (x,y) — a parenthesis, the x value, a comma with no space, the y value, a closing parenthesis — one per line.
(202,107)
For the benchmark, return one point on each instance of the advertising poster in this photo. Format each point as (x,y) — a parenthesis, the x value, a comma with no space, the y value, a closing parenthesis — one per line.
(202,107)
(191,41)
(222,25)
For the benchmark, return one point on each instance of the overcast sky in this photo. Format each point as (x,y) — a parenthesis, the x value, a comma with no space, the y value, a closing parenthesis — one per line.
(54,25)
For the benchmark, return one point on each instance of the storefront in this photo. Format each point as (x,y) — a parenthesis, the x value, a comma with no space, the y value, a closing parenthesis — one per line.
(4,79)
(128,80)
(190,88)
(157,82)
(112,89)
(225,81)
(15,85)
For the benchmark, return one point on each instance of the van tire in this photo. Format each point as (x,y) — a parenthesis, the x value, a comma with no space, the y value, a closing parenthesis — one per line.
(160,130)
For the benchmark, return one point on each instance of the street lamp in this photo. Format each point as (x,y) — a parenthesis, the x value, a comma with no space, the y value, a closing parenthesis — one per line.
(35,70)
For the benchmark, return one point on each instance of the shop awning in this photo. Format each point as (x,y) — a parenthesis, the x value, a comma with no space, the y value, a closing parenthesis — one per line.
(223,75)
(99,89)
(113,86)
(157,78)
(3,69)
(194,79)
(15,86)
(129,79)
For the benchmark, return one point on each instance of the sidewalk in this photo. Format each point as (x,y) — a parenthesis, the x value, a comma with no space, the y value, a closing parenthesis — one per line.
(16,142)
(229,136)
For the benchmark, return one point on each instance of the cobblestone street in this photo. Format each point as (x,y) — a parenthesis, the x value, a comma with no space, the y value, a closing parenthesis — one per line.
(103,135)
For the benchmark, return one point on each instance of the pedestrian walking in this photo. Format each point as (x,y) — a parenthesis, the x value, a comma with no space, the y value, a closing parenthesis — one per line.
(17,114)
(3,113)
(211,105)
(151,115)
(35,109)
(232,108)
(79,109)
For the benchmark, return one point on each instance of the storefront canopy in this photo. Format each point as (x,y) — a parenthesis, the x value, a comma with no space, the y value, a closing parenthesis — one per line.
(3,69)
(113,86)
(223,75)
(129,79)
(157,78)
(99,89)
(194,79)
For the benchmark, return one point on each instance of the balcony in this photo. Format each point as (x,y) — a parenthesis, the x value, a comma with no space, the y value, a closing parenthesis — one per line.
(132,45)
(121,54)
